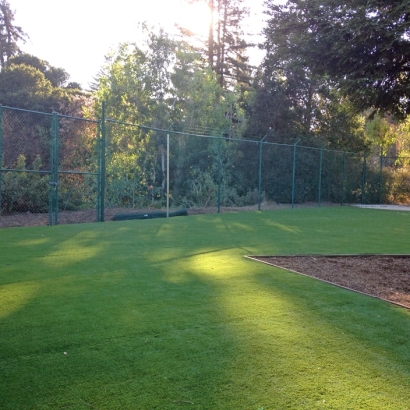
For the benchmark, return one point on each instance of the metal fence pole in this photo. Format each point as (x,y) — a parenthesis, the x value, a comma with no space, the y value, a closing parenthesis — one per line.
(320,174)
(102,166)
(219,172)
(363,178)
(380,179)
(56,177)
(294,173)
(260,172)
(343,177)
(168,175)
(50,191)
(1,153)
(53,192)
(98,159)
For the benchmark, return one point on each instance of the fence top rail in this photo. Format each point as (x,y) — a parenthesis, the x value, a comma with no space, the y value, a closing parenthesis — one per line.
(24,110)
(32,171)
(78,118)
(170,131)
(48,114)
(390,157)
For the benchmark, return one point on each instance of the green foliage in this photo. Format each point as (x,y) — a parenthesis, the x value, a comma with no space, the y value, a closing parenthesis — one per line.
(10,34)
(396,182)
(403,141)
(160,83)
(340,124)
(225,48)
(270,108)
(380,133)
(57,76)
(202,190)
(25,191)
(290,101)
(362,45)
(24,86)
(30,83)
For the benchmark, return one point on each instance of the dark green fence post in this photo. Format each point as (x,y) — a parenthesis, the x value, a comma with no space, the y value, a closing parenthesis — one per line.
(53,192)
(1,153)
(50,189)
(98,163)
(363,178)
(219,172)
(320,175)
(260,172)
(380,179)
(102,174)
(56,175)
(343,177)
(294,173)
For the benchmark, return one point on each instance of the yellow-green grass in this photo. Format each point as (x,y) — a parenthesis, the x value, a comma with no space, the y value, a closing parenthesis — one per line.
(168,314)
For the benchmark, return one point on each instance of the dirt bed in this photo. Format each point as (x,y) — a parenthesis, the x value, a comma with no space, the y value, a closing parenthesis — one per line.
(385,277)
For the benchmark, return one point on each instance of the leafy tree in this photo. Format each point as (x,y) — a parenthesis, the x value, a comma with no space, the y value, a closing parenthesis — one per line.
(339,124)
(290,102)
(135,83)
(58,77)
(291,93)
(156,84)
(403,140)
(361,44)
(10,34)
(381,133)
(270,108)
(23,191)
(28,82)
(24,86)
(32,84)
(224,49)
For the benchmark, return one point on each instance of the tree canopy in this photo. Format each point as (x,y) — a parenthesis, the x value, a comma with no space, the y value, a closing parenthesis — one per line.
(363,45)
(10,34)
(29,82)
(224,49)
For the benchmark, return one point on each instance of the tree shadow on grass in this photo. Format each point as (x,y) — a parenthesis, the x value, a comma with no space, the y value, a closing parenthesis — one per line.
(162,316)
(350,348)
(109,330)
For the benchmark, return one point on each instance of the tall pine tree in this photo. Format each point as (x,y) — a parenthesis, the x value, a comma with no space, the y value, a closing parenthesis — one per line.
(10,34)
(224,49)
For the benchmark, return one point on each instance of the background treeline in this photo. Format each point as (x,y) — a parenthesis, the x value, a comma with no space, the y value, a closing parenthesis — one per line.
(334,76)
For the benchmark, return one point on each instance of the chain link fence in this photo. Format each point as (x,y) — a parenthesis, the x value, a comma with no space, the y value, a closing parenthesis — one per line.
(61,169)
(48,165)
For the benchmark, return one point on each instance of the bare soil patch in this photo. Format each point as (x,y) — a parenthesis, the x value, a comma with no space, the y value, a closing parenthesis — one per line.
(383,276)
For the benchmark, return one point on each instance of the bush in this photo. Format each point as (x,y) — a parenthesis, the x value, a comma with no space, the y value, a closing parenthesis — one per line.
(25,191)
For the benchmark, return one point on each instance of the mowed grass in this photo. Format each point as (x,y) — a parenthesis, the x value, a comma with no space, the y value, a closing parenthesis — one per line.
(168,314)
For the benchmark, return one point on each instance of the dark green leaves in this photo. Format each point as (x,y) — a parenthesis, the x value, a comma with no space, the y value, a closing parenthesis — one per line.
(363,45)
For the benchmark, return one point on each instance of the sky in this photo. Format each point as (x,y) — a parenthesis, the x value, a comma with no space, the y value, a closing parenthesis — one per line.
(76,35)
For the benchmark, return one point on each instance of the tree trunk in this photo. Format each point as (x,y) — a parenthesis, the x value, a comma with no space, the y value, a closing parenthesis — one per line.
(211,36)
(223,43)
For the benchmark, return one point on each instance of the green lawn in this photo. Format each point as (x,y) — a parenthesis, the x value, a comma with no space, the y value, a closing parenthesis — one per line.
(168,314)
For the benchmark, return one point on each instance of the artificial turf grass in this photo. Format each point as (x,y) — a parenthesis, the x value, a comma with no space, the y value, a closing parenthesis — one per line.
(158,315)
